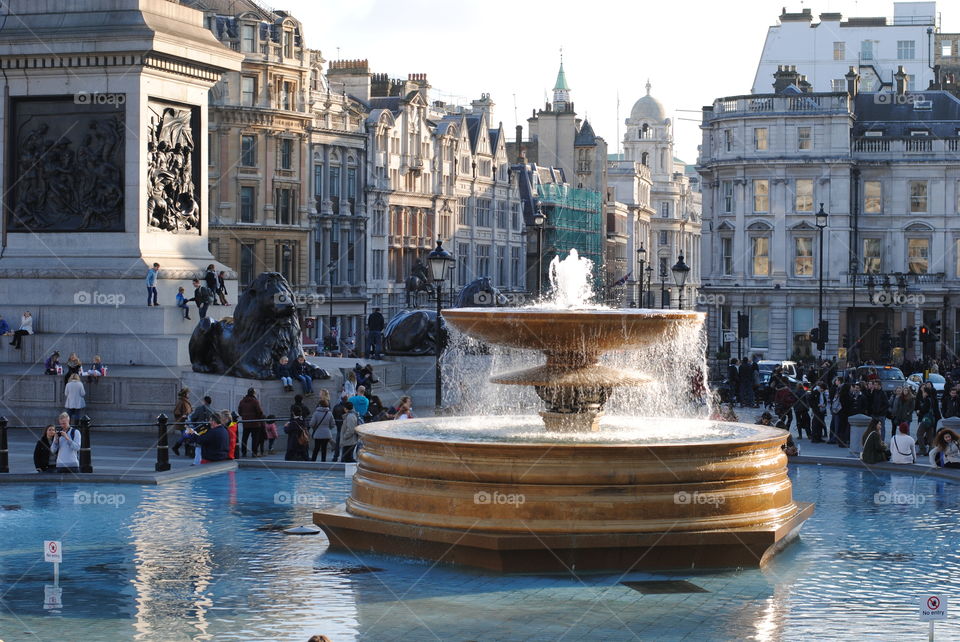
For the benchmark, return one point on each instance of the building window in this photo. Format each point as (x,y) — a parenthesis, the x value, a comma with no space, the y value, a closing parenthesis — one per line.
(918,256)
(727,196)
(463,213)
(284,206)
(379,224)
(248,199)
(906,49)
(284,261)
(760,138)
(872,261)
(804,140)
(727,140)
(502,215)
(335,182)
(463,262)
(918,196)
(803,256)
(839,50)
(318,181)
(288,44)
(515,267)
(248,91)
(446,226)
(726,255)
(352,182)
(803,321)
(761,195)
(502,266)
(872,197)
(483,260)
(663,237)
(803,199)
(483,216)
(515,216)
(248,150)
(956,253)
(838,84)
(377,258)
(665,209)
(248,263)
(248,38)
(866,50)
(761,256)
(286,153)
(287,92)
(759,328)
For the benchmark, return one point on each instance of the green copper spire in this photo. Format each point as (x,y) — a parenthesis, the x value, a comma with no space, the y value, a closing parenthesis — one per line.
(561,80)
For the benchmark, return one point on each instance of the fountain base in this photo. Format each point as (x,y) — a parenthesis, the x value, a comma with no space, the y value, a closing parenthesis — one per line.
(587,501)
(563,552)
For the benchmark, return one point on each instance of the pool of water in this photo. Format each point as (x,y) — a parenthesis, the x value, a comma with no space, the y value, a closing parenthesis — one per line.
(202,559)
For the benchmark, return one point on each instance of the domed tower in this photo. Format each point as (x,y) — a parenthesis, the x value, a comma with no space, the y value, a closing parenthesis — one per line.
(649,136)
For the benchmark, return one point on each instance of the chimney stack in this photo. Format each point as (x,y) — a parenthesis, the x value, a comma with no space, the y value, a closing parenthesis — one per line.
(853,82)
(784,76)
(520,158)
(900,80)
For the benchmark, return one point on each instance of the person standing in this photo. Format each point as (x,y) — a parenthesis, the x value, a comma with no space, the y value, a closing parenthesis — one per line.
(222,287)
(213,284)
(181,413)
(152,285)
(202,296)
(348,434)
(818,404)
(745,378)
(74,393)
(214,442)
(321,426)
(339,410)
(26,327)
(360,403)
(66,445)
(44,459)
(375,326)
(733,380)
(251,413)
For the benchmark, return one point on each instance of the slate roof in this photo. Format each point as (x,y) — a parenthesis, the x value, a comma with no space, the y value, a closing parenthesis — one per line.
(896,117)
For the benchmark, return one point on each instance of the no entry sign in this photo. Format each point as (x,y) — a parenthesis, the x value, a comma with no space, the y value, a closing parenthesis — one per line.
(933,607)
(52,551)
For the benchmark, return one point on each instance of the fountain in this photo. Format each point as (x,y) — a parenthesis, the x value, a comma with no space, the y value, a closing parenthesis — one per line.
(574,489)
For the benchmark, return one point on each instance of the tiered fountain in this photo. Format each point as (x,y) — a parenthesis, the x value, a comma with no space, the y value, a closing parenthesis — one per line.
(575,490)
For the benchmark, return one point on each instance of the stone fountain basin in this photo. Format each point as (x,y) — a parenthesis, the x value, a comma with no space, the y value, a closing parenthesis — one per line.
(586,331)
(445,474)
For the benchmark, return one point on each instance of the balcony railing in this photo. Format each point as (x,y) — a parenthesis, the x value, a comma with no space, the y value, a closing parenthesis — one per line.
(814,102)
(893,279)
(915,145)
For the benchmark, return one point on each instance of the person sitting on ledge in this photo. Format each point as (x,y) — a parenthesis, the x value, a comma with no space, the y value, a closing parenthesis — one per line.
(214,443)
(902,446)
(51,364)
(26,327)
(766,419)
(946,450)
(74,367)
(44,459)
(4,327)
(301,371)
(97,370)
(285,374)
(182,304)
(874,450)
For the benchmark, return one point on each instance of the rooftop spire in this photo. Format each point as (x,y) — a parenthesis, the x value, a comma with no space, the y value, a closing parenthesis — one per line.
(561,83)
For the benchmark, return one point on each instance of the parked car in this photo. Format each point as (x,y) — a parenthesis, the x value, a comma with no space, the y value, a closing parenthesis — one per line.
(939,383)
(890,377)
(788,368)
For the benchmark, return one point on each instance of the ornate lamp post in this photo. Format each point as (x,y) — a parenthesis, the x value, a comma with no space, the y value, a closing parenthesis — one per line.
(680,273)
(649,278)
(539,220)
(330,267)
(641,257)
(821,224)
(440,262)
(663,285)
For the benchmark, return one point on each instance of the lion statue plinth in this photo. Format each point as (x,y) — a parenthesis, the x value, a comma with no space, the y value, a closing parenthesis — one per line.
(264,327)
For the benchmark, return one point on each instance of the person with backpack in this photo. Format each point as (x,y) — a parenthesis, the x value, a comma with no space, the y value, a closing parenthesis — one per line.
(251,412)
(212,283)
(202,296)
(321,427)
(66,445)
(298,441)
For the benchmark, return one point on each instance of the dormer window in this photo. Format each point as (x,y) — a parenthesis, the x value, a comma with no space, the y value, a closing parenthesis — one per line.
(919,132)
(874,133)
(248,38)
(288,44)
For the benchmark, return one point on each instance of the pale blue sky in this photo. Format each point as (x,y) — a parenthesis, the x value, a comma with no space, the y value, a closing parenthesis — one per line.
(692,50)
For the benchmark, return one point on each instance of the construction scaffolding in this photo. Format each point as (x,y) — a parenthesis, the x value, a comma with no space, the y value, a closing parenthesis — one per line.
(574,219)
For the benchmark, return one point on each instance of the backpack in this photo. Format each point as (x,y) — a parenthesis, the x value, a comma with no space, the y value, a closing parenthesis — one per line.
(835,406)
(206,294)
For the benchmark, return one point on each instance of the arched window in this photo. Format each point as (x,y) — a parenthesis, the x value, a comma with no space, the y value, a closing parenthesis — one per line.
(643,158)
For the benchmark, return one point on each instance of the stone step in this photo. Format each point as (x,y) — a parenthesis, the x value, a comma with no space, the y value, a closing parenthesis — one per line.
(89,319)
(114,349)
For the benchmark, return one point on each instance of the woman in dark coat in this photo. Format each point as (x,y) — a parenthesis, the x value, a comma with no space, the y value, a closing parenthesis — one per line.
(298,441)
(43,460)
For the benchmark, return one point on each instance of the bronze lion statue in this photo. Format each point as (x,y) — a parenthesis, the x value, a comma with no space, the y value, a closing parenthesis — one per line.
(264,327)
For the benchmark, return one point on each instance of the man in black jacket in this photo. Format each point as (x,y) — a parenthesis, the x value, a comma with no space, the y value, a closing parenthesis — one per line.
(733,380)
(375,326)
(202,296)
(338,412)
(874,403)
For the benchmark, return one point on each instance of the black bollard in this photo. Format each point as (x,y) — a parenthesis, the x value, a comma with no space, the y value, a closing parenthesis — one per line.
(163,445)
(4,451)
(86,466)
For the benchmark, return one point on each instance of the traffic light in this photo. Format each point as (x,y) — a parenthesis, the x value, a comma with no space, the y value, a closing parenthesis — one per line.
(935,330)
(911,336)
(924,334)
(902,339)
(824,334)
(815,335)
(886,342)
(743,326)
(846,341)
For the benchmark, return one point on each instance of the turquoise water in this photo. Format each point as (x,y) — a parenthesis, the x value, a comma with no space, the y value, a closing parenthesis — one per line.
(199,560)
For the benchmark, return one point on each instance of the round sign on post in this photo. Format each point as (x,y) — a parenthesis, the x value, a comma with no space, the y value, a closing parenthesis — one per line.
(52,552)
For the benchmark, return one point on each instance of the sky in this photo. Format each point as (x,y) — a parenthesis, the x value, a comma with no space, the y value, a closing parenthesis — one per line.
(692,51)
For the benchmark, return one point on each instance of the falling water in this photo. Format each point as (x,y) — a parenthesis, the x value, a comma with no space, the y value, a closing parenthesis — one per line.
(675,365)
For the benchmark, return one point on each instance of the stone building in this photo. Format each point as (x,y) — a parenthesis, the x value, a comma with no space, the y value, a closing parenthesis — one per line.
(674,227)
(259,124)
(884,168)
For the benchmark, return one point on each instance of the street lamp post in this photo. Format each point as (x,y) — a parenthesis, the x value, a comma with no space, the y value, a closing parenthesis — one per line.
(821,224)
(680,273)
(663,284)
(852,324)
(641,255)
(649,278)
(538,221)
(439,260)
(330,267)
